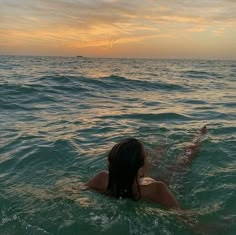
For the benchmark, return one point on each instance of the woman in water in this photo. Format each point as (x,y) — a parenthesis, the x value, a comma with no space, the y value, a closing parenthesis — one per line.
(127,166)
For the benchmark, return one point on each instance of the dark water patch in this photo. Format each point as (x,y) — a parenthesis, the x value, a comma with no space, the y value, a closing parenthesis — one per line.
(152,117)
(42,98)
(25,103)
(16,146)
(141,84)
(11,144)
(16,89)
(71,83)
(11,160)
(57,79)
(191,101)
(150,103)
(5,66)
(27,97)
(230,104)
(78,83)
(233,72)
(31,93)
(205,107)
(32,166)
(214,115)
(232,65)
(65,84)
(68,89)
(20,107)
(200,74)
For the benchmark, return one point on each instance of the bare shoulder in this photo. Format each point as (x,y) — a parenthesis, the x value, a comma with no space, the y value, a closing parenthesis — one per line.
(159,192)
(99,182)
(152,188)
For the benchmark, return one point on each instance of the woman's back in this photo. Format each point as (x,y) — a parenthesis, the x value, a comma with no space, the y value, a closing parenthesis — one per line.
(127,166)
(151,190)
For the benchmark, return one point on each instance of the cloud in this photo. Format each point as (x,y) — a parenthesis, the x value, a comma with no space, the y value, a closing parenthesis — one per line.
(106,23)
(86,13)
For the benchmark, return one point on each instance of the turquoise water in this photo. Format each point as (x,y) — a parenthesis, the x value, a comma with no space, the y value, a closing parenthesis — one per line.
(60,116)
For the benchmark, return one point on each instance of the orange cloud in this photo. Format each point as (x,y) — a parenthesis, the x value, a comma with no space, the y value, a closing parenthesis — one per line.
(110,25)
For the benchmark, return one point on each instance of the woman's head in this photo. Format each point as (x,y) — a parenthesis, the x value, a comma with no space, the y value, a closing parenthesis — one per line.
(125,162)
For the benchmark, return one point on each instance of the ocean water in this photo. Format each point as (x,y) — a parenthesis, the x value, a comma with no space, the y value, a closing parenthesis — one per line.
(60,116)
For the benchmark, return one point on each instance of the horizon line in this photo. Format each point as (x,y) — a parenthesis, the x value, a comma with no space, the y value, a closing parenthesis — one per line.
(105,57)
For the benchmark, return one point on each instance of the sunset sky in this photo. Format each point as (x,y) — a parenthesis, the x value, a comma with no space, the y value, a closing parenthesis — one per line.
(204,29)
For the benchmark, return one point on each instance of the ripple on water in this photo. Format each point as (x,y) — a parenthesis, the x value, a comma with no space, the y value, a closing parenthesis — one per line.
(60,117)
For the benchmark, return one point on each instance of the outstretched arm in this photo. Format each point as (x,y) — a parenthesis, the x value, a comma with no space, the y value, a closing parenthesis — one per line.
(191,150)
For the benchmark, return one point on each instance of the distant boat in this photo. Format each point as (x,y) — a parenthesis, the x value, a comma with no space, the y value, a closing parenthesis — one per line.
(79,56)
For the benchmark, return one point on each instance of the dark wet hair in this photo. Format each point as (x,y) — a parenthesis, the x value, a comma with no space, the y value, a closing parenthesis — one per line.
(125,159)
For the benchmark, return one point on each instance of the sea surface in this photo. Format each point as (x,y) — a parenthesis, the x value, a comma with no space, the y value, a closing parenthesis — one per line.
(59,117)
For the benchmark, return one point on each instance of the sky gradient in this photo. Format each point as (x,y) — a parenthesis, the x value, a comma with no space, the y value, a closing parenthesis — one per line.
(202,29)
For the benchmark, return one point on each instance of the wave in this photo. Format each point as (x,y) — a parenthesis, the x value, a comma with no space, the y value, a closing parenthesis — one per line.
(153,116)
(79,120)
(19,88)
(112,82)
(210,114)
(200,74)
(48,88)
(25,97)
(19,154)
(142,84)
(56,78)
(230,104)
(191,101)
